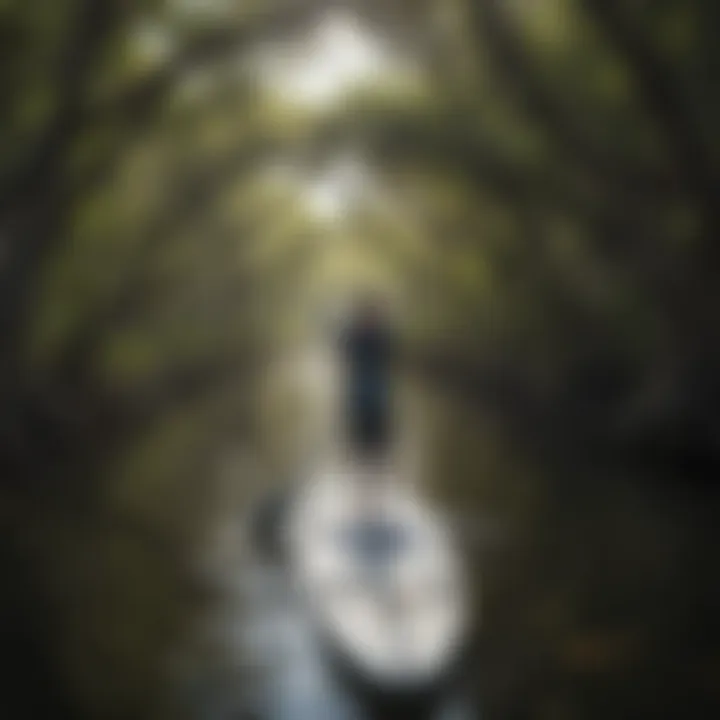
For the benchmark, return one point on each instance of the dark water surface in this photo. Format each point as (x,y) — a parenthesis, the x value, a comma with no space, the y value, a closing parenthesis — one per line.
(600,591)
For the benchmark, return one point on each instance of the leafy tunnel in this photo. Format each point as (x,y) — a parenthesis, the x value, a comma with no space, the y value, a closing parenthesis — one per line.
(188,187)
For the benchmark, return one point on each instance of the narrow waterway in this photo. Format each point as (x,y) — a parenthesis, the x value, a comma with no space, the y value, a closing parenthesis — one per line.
(264,657)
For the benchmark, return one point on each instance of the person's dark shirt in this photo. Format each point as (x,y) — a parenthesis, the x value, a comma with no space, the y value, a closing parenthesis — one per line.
(368,350)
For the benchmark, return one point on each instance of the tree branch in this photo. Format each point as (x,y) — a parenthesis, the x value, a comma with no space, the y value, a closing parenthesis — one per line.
(94,25)
(191,200)
(664,103)
(520,79)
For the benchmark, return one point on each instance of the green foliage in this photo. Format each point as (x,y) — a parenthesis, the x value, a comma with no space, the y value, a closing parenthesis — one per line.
(545,192)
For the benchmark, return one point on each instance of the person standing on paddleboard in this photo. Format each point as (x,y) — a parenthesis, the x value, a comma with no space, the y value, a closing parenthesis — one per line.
(367,349)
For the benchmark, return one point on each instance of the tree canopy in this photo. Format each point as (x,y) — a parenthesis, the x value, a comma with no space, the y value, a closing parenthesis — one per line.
(184,183)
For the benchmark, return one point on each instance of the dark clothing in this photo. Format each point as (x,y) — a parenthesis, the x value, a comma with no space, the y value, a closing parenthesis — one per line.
(367,350)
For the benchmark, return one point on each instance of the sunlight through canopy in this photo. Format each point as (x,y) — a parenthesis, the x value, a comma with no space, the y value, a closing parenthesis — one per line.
(338,57)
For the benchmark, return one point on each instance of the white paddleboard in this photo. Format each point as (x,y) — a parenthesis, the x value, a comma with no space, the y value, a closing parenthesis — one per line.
(381,577)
